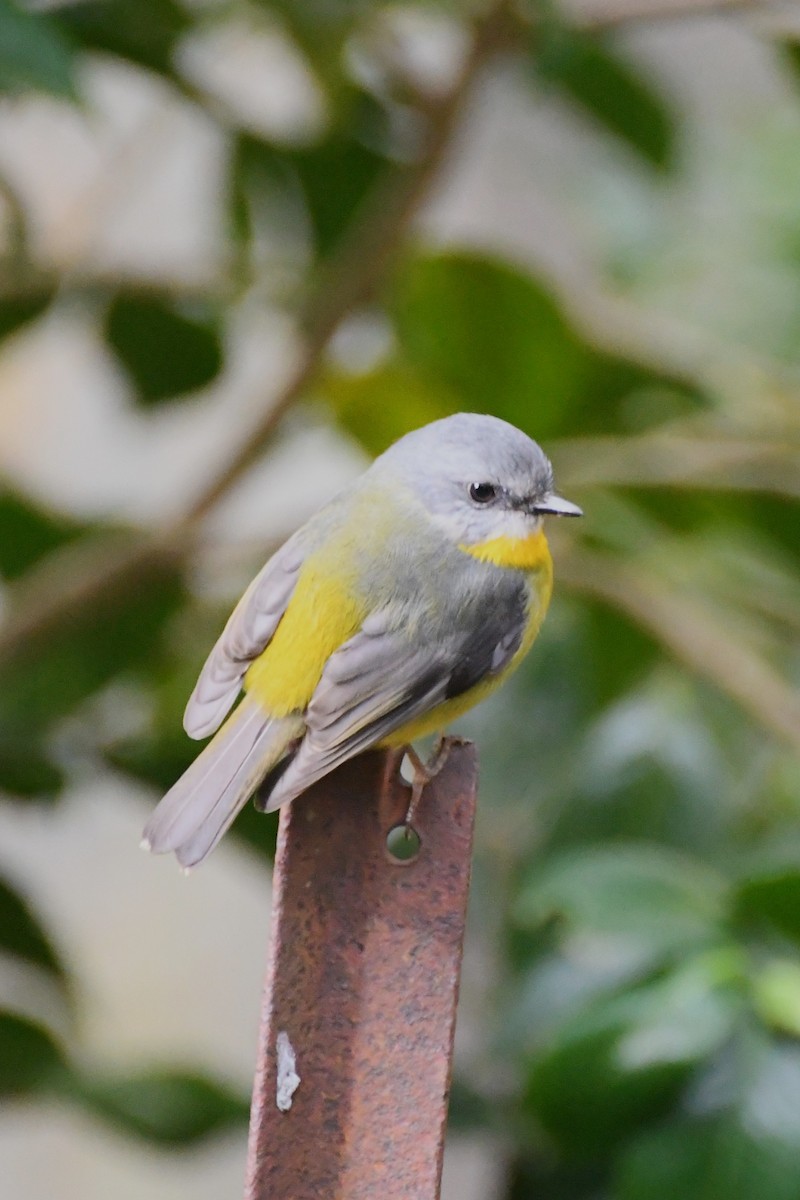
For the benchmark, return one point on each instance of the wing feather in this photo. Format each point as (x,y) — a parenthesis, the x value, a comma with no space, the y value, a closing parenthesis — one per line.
(247,633)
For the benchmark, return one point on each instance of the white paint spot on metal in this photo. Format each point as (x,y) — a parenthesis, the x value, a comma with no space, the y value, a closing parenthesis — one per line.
(287,1079)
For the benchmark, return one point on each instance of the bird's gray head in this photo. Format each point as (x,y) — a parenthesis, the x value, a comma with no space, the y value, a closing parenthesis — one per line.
(478,477)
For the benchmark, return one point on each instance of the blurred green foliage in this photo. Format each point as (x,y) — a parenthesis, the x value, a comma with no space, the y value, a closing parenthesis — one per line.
(638,873)
(590,73)
(36,53)
(166,352)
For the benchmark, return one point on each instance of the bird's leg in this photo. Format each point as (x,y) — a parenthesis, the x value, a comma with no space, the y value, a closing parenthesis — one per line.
(391,768)
(424,772)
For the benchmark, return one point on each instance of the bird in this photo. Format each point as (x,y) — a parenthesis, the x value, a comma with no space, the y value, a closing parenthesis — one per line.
(396,607)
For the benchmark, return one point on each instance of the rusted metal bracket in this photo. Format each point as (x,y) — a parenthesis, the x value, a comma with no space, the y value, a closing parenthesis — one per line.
(350,1096)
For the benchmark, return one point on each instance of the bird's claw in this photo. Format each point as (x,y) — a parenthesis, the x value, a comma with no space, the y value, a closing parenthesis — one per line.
(424,772)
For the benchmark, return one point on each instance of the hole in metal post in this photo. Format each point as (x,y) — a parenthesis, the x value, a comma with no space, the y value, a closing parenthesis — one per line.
(403,844)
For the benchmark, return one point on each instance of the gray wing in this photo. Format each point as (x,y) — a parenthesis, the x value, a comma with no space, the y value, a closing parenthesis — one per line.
(383,678)
(246,634)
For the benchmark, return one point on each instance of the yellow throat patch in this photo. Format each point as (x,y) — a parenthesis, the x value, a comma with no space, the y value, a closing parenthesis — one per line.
(530,553)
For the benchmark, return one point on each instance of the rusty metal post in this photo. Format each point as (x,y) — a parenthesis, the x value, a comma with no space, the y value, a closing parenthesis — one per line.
(350,1096)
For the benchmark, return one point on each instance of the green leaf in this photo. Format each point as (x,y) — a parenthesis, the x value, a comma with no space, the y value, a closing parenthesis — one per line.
(490,336)
(749,1151)
(22,935)
(775,521)
(336,176)
(771,892)
(623,1061)
(379,406)
(716,1160)
(644,896)
(618,652)
(580,1094)
(170,1108)
(538,1175)
(26,771)
(50,674)
(30,1061)
(688,1013)
(651,767)
(776,995)
(15,312)
(28,532)
(591,73)
(142,31)
(468,1110)
(791,49)
(35,54)
(632,396)
(338,172)
(166,351)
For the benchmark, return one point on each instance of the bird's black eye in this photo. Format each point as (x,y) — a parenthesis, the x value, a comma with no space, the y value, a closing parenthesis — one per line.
(482,493)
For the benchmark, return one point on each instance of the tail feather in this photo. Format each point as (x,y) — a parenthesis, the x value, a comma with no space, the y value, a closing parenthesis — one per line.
(199,808)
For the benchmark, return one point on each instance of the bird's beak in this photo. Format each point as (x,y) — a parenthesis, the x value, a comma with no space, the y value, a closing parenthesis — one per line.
(557,506)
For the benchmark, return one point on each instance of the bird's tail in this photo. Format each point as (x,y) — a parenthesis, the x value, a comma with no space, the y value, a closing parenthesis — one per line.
(198,809)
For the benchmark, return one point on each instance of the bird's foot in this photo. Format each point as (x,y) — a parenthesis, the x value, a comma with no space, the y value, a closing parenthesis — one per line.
(424,772)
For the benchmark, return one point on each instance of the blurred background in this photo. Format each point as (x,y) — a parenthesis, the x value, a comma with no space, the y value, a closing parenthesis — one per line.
(243,246)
